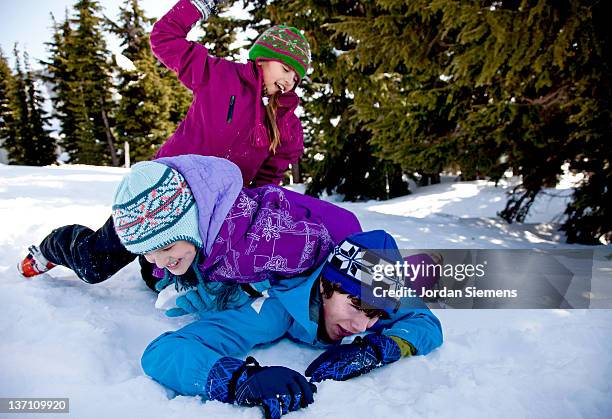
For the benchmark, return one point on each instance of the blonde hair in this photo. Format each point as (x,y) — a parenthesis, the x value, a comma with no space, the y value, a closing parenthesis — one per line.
(271,125)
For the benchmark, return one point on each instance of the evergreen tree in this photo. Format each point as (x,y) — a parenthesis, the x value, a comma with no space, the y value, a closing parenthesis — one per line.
(144,110)
(81,71)
(61,78)
(339,154)
(39,146)
(16,144)
(8,109)
(28,141)
(490,86)
(93,86)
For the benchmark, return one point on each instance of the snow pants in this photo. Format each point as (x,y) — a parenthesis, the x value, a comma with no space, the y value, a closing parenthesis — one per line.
(94,256)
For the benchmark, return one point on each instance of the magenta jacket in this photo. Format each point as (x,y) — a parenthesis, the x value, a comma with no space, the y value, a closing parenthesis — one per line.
(226,105)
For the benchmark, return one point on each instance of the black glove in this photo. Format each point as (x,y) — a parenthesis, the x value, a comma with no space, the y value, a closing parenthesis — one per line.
(206,7)
(278,389)
(351,360)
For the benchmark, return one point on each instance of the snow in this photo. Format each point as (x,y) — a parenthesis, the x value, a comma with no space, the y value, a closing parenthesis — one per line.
(64,338)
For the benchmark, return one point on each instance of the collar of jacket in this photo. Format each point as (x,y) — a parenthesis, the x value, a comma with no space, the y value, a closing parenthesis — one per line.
(295,295)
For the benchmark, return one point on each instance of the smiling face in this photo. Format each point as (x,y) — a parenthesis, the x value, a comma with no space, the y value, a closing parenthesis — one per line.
(342,317)
(277,77)
(176,257)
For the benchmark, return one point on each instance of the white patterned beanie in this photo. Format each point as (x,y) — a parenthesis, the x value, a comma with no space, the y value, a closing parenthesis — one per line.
(154,207)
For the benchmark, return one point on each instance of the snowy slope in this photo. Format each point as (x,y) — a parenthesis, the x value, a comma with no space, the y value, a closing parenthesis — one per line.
(64,338)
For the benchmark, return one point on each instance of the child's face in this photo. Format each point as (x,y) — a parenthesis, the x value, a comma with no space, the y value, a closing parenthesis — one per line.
(176,257)
(342,318)
(277,77)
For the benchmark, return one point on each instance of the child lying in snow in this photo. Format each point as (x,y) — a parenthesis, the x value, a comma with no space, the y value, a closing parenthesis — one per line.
(206,357)
(191,218)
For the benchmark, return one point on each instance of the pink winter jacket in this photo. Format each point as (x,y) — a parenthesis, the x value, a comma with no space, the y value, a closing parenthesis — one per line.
(223,114)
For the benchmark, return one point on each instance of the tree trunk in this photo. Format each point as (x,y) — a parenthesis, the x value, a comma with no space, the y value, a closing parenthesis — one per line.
(110,138)
(295,172)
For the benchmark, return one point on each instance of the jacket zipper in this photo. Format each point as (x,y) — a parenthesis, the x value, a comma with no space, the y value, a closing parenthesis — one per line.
(230,111)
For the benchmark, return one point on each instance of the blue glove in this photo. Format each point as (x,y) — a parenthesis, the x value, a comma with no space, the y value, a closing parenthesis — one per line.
(194,300)
(351,360)
(278,390)
(207,297)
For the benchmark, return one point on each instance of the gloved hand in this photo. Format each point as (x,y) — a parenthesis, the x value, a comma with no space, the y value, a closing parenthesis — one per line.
(207,7)
(197,299)
(208,296)
(351,360)
(278,390)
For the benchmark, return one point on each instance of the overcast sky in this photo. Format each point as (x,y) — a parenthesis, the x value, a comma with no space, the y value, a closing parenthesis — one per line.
(29,23)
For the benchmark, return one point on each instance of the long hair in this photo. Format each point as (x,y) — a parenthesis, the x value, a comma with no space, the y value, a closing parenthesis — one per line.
(271,125)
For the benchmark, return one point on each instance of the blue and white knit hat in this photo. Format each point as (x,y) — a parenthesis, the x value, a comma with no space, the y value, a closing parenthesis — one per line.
(154,207)
(351,265)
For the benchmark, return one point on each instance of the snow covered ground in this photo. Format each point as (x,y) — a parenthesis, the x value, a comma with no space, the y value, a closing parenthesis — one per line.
(64,338)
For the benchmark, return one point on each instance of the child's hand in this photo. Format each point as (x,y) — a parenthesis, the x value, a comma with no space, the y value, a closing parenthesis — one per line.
(192,301)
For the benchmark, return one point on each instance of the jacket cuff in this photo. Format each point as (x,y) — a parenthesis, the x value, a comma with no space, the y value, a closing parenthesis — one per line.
(220,379)
(406,347)
(206,7)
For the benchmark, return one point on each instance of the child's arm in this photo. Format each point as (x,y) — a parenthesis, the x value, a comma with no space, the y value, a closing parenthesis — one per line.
(418,326)
(411,332)
(189,60)
(181,360)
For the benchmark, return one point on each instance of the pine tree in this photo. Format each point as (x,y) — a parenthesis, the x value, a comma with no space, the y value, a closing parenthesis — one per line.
(16,144)
(82,73)
(8,108)
(93,76)
(28,140)
(61,78)
(39,146)
(490,86)
(144,110)
(339,154)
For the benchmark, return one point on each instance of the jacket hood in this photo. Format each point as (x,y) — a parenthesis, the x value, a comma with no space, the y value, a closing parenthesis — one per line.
(215,184)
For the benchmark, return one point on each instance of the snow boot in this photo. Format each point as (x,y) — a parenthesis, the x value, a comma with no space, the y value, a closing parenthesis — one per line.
(34,263)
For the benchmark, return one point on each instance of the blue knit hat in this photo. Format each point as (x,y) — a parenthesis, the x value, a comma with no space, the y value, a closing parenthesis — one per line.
(351,265)
(154,207)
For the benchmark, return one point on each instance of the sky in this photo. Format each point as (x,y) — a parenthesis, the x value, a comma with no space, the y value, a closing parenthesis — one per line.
(28,22)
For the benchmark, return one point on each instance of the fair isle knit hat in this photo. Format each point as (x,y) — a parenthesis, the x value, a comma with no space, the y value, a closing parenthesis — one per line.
(154,207)
(286,44)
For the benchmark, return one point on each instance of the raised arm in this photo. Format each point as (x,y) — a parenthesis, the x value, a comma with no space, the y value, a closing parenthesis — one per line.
(189,60)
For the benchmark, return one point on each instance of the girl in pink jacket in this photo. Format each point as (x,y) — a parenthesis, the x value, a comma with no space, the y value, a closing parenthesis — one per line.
(240,112)
(228,117)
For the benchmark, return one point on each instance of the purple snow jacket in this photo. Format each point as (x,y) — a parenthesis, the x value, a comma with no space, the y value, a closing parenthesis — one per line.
(226,105)
(252,235)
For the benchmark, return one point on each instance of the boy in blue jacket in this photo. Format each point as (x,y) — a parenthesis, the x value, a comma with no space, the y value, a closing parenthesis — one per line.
(337,300)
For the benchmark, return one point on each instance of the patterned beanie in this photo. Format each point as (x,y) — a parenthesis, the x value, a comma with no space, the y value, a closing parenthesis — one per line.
(351,265)
(154,207)
(286,44)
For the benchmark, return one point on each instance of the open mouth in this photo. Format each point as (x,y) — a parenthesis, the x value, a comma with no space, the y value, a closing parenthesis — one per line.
(173,264)
(343,332)
(280,87)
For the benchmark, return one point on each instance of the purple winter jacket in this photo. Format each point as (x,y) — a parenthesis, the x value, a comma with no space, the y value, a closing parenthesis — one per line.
(226,105)
(268,232)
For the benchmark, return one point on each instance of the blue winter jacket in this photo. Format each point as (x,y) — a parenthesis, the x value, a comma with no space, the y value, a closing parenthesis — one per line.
(181,360)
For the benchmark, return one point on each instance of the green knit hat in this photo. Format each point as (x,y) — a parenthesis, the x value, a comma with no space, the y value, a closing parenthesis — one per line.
(286,44)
